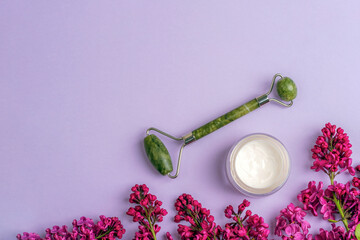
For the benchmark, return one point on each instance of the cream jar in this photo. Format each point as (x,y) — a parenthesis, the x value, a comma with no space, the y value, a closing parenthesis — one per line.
(258,165)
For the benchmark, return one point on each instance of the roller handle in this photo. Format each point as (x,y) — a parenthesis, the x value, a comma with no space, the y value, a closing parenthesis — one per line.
(225,119)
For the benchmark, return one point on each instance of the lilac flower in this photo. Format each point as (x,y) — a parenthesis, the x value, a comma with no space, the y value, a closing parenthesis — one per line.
(248,227)
(105,229)
(290,224)
(332,151)
(202,225)
(336,233)
(28,236)
(168,236)
(147,212)
(312,197)
(109,228)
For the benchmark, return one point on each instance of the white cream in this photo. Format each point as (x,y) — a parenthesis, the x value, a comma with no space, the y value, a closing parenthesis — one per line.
(258,164)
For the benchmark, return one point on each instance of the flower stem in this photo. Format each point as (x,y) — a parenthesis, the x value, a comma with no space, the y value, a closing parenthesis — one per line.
(151,225)
(239,220)
(147,214)
(338,204)
(196,221)
(151,228)
(105,233)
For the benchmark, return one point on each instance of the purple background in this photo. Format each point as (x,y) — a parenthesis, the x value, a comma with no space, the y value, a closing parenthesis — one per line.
(81,81)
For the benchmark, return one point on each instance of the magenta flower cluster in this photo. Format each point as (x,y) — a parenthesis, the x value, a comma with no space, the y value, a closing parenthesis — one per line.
(147,212)
(109,228)
(313,198)
(251,226)
(106,229)
(290,224)
(337,202)
(332,152)
(202,225)
(336,233)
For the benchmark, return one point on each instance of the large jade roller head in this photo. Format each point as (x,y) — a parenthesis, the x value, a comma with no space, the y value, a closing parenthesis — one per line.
(159,155)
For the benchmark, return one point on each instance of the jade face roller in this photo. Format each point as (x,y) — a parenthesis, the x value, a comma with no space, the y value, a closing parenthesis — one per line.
(159,155)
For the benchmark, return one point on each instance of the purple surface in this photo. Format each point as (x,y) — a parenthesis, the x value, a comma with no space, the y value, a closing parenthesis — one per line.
(81,81)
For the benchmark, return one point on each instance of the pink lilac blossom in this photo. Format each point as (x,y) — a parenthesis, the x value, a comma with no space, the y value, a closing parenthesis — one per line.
(28,236)
(109,228)
(332,154)
(315,197)
(349,200)
(84,228)
(336,233)
(202,225)
(312,197)
(332,151)
(248,227)
(356,192)
(356,180)
(290,224)
(147,212)
(168,236)
(105,229)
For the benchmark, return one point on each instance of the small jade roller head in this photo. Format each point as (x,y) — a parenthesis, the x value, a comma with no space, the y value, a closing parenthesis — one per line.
(158,154)
(286,89)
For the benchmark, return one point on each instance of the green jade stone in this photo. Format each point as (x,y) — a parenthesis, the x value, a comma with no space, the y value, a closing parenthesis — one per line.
(158,154)
(286,89)
(225,119)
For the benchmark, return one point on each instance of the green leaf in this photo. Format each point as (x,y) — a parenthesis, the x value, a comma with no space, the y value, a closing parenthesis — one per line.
(333,221)
(357,232)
